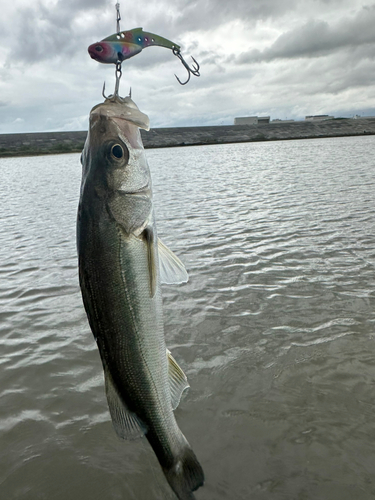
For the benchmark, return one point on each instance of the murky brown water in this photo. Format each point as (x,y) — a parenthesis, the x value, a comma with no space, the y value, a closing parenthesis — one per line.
(275,328)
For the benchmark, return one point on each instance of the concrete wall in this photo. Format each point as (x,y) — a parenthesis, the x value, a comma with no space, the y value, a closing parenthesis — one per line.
(62,142)
(41,142)
(186,136)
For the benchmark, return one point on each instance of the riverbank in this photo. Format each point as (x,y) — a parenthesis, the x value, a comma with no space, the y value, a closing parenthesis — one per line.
(42,143)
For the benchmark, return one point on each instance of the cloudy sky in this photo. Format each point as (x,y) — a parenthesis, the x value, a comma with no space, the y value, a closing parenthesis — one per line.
(284,58)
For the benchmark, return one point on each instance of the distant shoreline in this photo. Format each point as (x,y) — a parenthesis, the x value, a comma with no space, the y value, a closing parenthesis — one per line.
(44,143)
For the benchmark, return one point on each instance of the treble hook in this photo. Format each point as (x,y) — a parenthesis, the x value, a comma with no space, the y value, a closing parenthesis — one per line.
(191,71)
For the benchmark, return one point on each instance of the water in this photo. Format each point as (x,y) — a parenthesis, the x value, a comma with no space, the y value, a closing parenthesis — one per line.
(275,328)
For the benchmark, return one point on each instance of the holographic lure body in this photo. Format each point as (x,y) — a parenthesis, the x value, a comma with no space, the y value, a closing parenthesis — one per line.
(126,44)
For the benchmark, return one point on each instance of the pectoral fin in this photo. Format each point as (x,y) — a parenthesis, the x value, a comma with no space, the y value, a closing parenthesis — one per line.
(177,380)
(126,423)
(172,270)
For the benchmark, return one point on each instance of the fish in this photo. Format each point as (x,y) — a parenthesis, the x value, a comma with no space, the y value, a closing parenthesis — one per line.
(126,44)
(122,264)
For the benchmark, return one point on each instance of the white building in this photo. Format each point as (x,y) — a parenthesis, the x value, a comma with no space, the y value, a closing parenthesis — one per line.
(318,118)
(246,120)
(251,120)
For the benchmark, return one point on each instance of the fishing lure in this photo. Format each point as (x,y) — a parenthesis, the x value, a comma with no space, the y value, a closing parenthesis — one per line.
(125,44)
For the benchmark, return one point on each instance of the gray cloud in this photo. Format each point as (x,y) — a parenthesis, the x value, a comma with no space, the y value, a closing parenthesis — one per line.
(44,39)
(43,33)
(207,14)
(316,38)
(321,63)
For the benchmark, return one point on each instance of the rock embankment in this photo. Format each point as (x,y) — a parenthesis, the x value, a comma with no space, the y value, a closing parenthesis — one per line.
(66,142)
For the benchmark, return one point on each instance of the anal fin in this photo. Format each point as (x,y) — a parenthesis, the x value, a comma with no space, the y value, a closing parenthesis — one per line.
(125,422)
(177,380)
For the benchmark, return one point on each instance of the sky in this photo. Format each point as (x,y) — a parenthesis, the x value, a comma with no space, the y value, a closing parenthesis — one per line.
(283,58)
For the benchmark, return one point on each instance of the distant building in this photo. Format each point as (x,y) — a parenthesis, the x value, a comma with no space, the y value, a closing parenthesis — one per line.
(251,120)
(318,118)
(359,117)
(246,120)
(263,119)
(277,120)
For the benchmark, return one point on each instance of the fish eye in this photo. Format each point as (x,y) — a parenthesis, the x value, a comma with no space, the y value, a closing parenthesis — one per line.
(99,48)
(117,151)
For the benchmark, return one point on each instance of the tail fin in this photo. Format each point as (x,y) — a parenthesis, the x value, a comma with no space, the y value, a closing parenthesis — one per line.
(186,474)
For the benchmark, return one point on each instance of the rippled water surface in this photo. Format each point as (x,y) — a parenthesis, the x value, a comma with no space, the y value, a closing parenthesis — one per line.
(275,329)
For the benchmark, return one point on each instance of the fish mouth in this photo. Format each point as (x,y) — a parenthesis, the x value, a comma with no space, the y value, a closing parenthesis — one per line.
(99,52)
(94,54)
(120,111)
